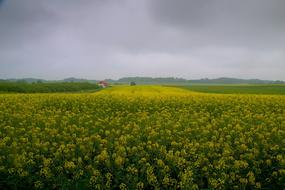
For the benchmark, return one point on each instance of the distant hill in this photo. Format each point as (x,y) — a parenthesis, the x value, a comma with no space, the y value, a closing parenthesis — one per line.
(225,80)
(72,79)
(172,80)
(151,80)
(25,80)
(35,80)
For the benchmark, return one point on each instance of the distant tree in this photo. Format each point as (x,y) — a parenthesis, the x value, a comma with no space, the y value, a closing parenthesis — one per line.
(46,87)
(132,83)
(22,81)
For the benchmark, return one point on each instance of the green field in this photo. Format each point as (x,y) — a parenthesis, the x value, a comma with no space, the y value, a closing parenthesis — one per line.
(237,89)
(142,137)
(23,87)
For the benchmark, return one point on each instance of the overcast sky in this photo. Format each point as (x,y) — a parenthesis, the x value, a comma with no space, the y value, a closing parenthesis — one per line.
(97,39)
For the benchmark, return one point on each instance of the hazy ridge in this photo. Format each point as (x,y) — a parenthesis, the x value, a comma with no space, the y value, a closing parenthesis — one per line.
(158,80)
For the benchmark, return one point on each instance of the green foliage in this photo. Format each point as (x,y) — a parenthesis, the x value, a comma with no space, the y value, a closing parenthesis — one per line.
(39,87)
(237,89)
(150,80)
(182,81)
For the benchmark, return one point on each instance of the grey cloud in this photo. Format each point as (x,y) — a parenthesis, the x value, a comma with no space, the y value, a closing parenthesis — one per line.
(24,22)
(193,13)
(249,23)
(112,39)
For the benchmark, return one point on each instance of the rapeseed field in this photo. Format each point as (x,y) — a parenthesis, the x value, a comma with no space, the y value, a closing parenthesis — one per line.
(142,137)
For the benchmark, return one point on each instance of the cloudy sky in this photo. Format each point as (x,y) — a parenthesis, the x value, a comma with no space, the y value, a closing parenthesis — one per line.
(97,39)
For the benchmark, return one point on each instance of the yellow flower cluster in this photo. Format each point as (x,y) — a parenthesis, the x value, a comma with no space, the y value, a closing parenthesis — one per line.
(142,137)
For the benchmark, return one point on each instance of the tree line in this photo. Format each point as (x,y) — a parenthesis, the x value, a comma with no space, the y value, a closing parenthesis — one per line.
(23,87)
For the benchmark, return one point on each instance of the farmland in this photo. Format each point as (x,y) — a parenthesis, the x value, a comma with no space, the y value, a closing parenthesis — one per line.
(238,89)
(142,137)
(24,87)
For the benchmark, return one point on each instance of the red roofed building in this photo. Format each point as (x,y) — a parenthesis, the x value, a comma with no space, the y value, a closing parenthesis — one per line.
(103,84)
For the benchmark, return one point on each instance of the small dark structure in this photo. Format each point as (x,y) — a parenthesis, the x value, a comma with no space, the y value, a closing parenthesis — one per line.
(133,83)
